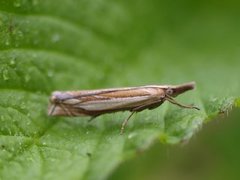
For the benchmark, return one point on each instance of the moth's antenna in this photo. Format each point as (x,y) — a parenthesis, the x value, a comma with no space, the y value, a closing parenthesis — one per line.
(173,101)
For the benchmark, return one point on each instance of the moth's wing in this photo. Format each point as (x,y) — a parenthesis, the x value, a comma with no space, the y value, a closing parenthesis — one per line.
(91,107)
(64,110)
(120,99)
(84,93)
(113,100)
(114,103)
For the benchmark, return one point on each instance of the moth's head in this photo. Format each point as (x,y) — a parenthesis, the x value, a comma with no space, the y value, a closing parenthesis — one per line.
(174,91)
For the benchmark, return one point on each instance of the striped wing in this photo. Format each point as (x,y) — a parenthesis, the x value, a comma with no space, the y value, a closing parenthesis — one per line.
(96,102)
(120,99)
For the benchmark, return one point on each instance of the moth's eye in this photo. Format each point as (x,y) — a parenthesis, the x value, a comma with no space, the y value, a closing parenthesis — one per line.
(169,91)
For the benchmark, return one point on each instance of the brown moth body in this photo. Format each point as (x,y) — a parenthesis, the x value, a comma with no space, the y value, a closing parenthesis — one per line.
(97,102)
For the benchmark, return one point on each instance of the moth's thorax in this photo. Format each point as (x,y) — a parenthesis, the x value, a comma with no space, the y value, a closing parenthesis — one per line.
(160,92)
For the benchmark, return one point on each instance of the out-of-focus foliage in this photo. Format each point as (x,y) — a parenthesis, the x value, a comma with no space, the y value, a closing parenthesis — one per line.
(212,154)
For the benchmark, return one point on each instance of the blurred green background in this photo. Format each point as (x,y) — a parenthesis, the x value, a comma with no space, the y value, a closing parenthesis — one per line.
(211,154)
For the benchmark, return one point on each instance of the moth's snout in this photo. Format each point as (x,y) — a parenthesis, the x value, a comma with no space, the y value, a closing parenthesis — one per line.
(182,88)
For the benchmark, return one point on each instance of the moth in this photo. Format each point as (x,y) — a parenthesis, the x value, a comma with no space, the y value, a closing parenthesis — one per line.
(94,103)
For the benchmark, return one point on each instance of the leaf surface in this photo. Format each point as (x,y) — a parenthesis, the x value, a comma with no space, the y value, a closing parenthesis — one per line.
(74,45)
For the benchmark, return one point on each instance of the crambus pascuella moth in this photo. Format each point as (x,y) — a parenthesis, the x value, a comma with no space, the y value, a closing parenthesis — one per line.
(97,102)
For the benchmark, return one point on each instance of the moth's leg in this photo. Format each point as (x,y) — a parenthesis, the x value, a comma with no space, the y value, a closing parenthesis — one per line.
(125,122)
(137,109)
(150,105)
(92,118)
(155,105)
(173,101)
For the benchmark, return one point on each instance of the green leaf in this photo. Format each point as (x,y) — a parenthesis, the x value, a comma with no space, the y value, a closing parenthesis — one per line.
(52,45)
